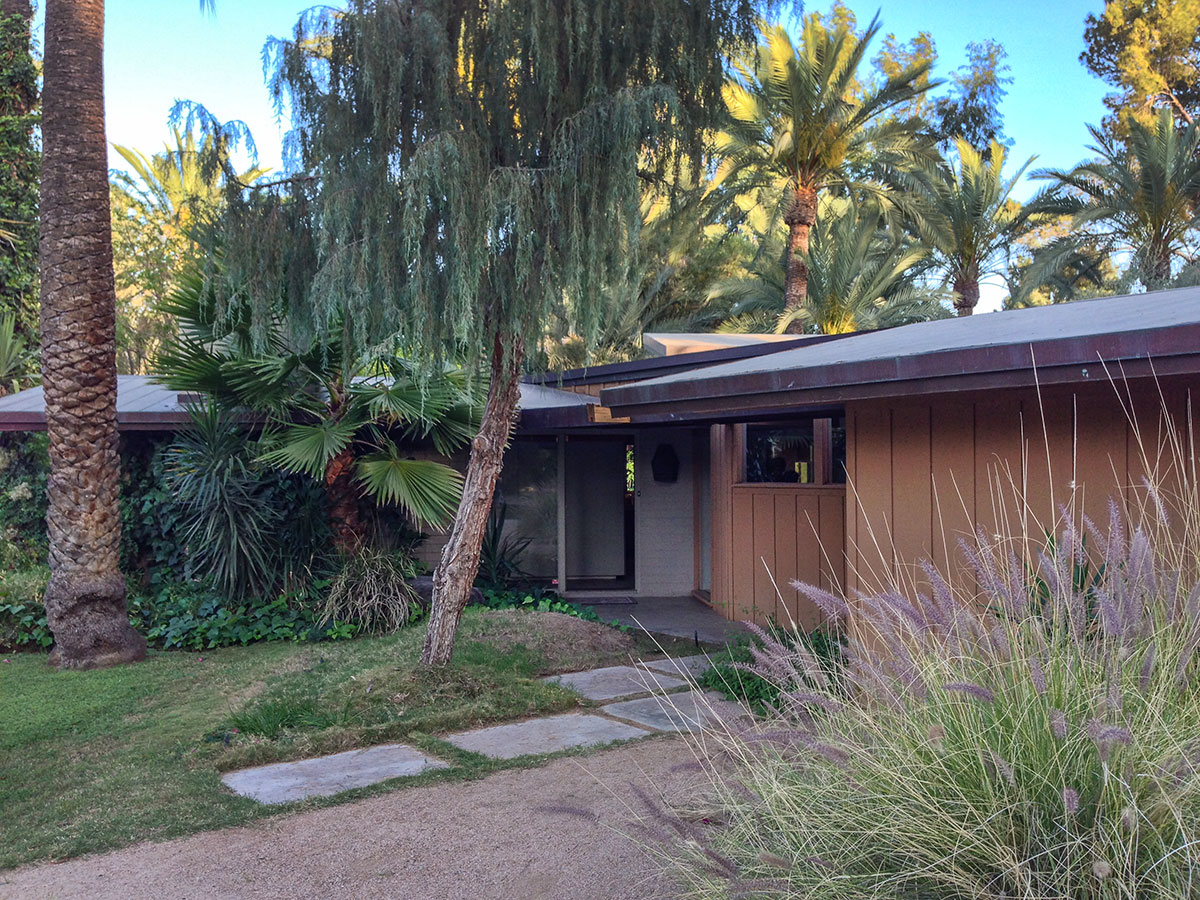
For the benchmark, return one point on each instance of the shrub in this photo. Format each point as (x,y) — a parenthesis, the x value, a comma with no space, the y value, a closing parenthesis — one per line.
(22,616)
(538,600)
(24,465)
(372,591)
(1043,745)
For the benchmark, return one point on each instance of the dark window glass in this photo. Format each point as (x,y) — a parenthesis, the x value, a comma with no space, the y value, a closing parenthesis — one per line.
(838,473)
(780,454)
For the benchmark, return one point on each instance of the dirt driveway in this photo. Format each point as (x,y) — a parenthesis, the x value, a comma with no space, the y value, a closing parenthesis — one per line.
(485,840)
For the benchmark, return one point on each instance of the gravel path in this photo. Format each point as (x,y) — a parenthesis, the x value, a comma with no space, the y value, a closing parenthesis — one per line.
(494,839)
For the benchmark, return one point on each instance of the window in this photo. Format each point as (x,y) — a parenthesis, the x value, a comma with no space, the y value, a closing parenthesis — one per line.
(838,440)
(780,453)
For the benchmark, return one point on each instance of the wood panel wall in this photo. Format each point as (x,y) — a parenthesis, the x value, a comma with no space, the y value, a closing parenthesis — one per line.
(765,536)
(924,473)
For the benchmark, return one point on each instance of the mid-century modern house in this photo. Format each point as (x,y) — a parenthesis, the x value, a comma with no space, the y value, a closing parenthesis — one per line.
(726,465)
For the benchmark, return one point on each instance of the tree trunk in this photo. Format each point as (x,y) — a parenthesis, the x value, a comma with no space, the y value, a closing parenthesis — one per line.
(345,514)
(85,600)
(966,295)
(800,218)
(455,575)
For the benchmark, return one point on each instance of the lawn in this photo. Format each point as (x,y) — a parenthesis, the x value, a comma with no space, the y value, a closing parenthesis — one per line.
(91,761)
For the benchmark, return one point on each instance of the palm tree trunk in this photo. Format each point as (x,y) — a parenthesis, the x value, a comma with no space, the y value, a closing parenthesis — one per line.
(800,218)
(966,295)
(85,600)
(345,514)
(455,575)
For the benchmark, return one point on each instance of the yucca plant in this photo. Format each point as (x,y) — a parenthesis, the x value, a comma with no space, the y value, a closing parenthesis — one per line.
(14,355)
(1027,732)
(327,409)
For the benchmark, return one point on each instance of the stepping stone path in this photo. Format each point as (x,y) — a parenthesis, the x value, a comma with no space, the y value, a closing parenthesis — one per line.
(616,681)
(546,735)
(325,775)
(651,697)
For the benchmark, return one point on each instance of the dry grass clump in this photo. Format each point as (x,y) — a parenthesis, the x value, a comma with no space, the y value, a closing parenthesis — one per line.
(1036,735)
(372,590)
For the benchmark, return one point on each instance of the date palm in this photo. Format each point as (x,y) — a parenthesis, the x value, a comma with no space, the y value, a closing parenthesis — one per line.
(85,597)
(797,118)
(1141,198)
(861,277)
(966,216)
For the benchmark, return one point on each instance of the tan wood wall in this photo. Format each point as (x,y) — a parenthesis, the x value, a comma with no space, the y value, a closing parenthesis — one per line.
(762,532)
(925,472)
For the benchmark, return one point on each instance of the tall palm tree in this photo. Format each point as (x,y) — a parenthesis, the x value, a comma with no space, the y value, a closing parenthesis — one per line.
(1141,198)
(85,599)
(797,117)
(967,218)
(860,278)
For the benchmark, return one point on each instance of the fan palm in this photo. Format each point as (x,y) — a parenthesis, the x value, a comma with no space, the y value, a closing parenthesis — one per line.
(329,412)
(1139,198)
(859,278)
(797,118)
(967,218)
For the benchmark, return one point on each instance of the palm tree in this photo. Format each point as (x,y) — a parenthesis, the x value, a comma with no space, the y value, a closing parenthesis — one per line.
(1139,198)
(157,209)
(795,118)
(860,278)
(85,598)
(329,412)
(967,218)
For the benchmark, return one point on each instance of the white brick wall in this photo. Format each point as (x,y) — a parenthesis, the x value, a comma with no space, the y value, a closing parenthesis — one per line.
(664,518)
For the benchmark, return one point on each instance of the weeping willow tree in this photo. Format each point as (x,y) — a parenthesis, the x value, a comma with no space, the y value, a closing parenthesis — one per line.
(465,167)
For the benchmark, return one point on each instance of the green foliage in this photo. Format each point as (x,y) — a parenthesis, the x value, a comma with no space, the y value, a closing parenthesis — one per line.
(1150,52)
(496,180)
(500,554)
(796,123)
(1136,198)
(159,208)
(861,276)
(538,600)
(22,617)
(322,399)
(189,616)
(20,167)
(24,464)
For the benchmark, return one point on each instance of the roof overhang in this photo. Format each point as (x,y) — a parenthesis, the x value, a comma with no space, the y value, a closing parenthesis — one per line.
(714,396)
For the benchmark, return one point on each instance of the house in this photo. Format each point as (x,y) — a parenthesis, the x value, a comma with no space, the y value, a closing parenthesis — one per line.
(726,466)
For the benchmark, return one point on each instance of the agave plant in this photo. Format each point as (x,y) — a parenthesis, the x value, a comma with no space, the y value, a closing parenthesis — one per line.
(14,355)
(328,410)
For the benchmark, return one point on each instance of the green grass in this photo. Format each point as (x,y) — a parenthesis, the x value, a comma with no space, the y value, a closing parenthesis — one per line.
(91,761)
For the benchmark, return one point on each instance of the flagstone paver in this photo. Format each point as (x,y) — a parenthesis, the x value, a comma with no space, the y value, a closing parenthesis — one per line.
(679,666)
(325,775)
(688,711)
(546,735)
(612,682)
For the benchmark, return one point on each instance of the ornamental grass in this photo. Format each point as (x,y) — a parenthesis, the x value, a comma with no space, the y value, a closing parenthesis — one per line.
(1029,728)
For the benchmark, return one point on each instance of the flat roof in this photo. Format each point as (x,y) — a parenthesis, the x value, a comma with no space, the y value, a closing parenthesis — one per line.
(1142,333)
(145,405)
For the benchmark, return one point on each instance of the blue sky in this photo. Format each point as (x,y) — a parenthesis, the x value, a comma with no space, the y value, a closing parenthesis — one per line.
(159,51)
(162,50)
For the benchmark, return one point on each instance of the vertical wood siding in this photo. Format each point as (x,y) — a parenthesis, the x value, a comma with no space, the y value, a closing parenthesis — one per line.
(925,473)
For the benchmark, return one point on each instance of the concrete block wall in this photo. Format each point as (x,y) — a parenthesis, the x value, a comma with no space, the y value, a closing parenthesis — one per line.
(665,544)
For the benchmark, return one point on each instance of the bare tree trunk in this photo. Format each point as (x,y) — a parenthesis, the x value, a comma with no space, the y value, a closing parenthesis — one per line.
(800,218)
(455,575)
(85,600)
(966,295)
(345,514)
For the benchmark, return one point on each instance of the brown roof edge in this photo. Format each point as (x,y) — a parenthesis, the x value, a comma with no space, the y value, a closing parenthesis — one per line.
(1173,350)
